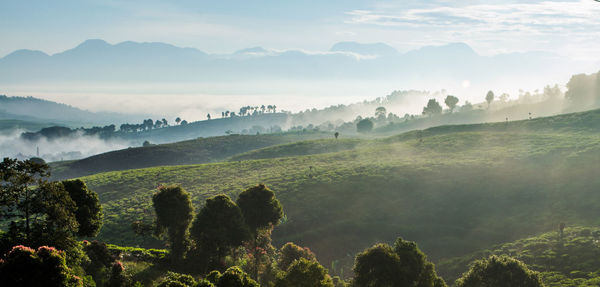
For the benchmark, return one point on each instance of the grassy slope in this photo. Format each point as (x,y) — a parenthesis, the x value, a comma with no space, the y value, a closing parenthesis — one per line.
(453,189)
(201,150)
(572,260)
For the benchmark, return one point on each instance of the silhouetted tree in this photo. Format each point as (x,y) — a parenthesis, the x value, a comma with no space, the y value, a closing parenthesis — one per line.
(219,226)
(208,116)
(178,120)
(489,97)
(174,213)
(451,102)
(184,122)
(432,108)
(499,271)
(89,211)
(336,134)
(261,211)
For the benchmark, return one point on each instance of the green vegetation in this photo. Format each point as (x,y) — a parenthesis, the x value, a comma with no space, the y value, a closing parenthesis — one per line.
(453,189)
(568,260)
(201,150)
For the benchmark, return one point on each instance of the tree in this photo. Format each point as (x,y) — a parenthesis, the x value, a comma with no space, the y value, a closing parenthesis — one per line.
(178,280)
(583,90)
(364,126)
(89,211)
(451,102)
(232,277)
(184,122)
(380,113)
(219,226)
(100,261)
(499,271)
(466,107)
(46,266)
(208,116)
(40,212)
(336,134)
(165,123)
(305,273)
(117,275)
(402,265)
(432,108)
(178,120)
(291,252)
(489,98)
(261,211)
(174,212)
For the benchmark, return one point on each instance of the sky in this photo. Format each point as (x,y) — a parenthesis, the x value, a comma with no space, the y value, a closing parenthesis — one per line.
(566,27)
(569,28)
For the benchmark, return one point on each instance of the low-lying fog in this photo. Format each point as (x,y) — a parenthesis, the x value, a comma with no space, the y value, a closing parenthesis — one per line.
(66,148)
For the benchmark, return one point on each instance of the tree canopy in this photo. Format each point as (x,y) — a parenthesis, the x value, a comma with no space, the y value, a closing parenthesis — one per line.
(174,212)
(432,108)
(499,271)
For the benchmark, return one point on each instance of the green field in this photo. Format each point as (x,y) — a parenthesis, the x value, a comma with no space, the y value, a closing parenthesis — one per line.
(201,150)
(452,189)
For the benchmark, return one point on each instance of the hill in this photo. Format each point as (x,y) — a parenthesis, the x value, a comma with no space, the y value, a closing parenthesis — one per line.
(200,150)
(567,260)
(453,189)
(40,110)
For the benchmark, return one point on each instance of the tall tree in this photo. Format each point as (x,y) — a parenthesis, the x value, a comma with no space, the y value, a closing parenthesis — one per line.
(499,271)
(451,102)
(219,226)
(489,97)
(89,211)
(174,212)
(261,211)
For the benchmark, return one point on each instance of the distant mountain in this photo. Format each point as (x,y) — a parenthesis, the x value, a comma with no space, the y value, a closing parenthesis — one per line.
(375,49)
(99,61)
(39,110)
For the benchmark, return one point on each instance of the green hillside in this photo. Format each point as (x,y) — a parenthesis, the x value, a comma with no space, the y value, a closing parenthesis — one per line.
(452,189)
(201,150)
(570,260)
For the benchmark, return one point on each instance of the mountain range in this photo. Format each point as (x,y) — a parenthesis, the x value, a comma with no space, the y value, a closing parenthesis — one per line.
(99,61)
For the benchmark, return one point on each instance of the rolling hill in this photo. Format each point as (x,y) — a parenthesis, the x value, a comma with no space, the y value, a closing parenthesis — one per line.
(200,150)
(452,189)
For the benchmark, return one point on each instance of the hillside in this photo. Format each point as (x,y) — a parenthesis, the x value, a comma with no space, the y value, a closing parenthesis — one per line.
(201,150)
(452,189)
(30,108)
(568,260)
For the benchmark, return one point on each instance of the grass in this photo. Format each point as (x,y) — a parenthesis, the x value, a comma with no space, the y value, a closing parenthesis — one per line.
(201,150)
(570,260)
(452,189)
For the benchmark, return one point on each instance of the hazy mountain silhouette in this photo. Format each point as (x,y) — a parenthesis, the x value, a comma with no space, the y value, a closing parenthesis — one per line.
(99,61)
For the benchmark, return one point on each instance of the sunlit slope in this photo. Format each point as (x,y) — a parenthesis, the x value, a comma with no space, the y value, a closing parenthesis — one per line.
(201,150)
(453,189)
(568,260)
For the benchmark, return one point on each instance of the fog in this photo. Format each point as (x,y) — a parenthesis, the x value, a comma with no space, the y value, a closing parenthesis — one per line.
(65,148)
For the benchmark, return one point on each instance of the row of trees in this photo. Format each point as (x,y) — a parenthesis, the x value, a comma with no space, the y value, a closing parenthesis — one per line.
(149,124)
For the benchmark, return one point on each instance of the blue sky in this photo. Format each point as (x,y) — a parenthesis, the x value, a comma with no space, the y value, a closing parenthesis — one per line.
(570,28)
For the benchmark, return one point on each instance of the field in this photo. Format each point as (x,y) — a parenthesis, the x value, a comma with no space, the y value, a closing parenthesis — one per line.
(201,150)
(452,189)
